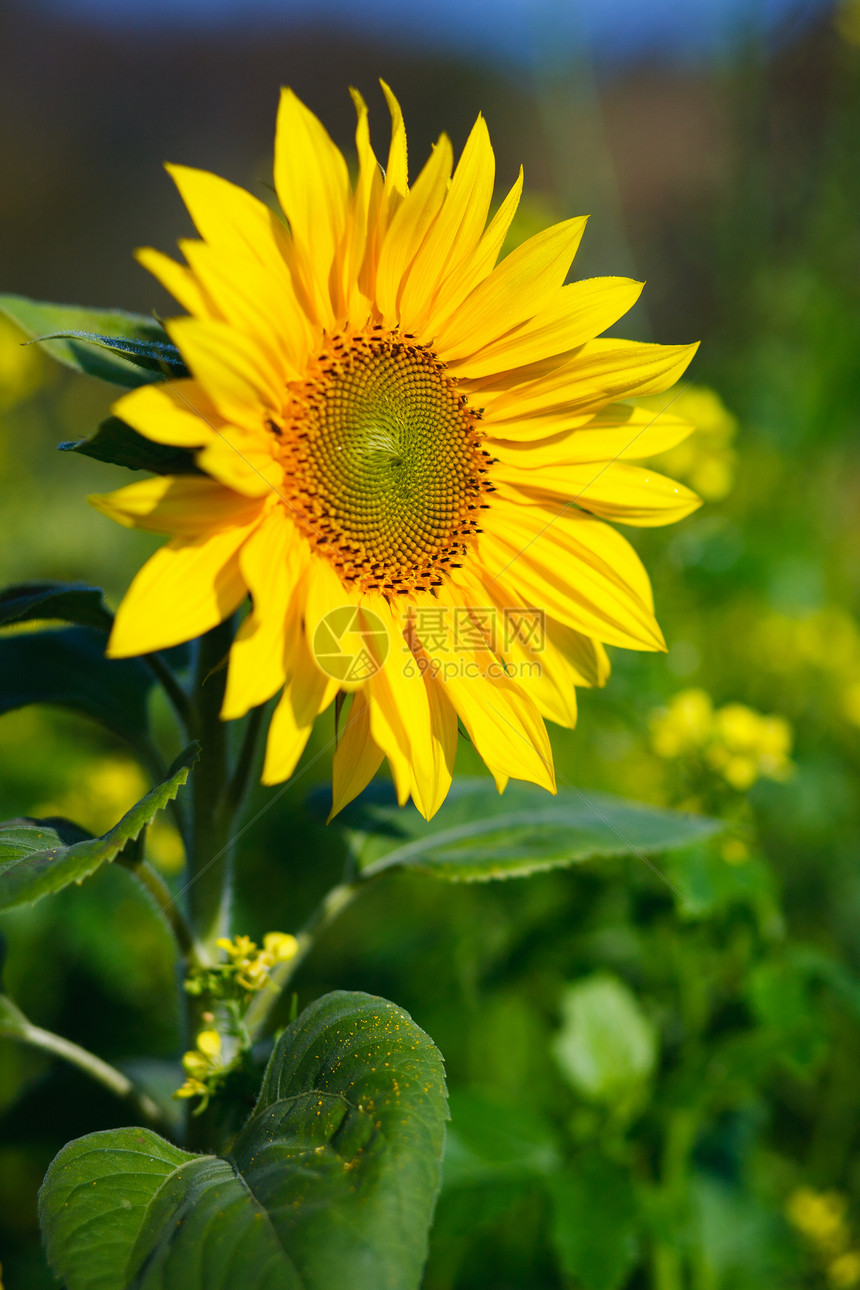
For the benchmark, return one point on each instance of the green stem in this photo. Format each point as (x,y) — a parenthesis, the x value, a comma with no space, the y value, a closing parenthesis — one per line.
(101,1071)
(238,787)
(330,907)
(174,691)
(167,906)
(211,855)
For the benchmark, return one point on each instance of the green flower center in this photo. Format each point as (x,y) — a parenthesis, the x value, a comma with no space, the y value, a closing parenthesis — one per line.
(384,471)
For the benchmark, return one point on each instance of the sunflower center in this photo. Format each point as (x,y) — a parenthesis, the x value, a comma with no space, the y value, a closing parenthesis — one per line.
(384,472)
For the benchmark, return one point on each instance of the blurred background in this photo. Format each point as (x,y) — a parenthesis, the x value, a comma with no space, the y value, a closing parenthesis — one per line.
(706,1135)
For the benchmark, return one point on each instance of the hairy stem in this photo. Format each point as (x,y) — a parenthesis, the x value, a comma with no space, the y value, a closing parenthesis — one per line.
(210,860)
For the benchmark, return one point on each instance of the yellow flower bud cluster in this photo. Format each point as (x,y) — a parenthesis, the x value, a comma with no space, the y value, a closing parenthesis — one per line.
(820,1217)
(252,965)
(202,1066)
(706,460)
(738,743)
(826,643)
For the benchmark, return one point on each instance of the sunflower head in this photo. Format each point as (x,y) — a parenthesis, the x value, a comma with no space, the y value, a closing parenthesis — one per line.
(406,453)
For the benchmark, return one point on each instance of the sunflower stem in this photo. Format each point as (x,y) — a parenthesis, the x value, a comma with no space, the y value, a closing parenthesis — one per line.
(211,853)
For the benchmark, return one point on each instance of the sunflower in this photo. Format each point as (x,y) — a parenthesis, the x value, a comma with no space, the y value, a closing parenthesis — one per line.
(406,454)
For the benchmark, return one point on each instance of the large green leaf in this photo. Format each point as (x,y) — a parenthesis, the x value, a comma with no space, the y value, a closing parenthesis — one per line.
(123,348)
(38,857)
(68,667)
(331,1183)
(116,442)
(68,602)
(478,834)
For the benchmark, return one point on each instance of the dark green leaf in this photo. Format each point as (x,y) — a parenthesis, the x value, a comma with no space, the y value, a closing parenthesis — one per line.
(37,319)
(478,834)
(68,602)
(157,356)
(116,442)
(331,1183)
(38,857)
(594,1222)
(94,1200)
(68,667)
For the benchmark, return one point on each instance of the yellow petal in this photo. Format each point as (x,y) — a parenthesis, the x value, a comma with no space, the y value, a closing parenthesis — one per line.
(312,183)
(175,412)
(581,571)
(464,277)
(244,387)
(243,461)
(271,563)
(580,311)
(357,758)
(230,218)
(502,721)
(619,431)
(601,372)
(250,299)
(179,281)
(180,504)
(187,587)
(402,718)
(457,228)
(396,169)
(522,285)
(307,693)
(360,261)
(410,226)
(614,490)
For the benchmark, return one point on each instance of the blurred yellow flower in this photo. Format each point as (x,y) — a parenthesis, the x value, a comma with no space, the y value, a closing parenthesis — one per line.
(819,1216)
(202,1066)
(104,794)
(739,743)
(846,19)
(254,965)
(844,1271)
(705,461)
(20,365)
(685,725)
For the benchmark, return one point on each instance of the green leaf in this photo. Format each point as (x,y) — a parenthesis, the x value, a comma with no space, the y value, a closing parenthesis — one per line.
(607,1047)
(478,835)
(38,857)
(132,339)
(94,1199)
(116,442)
(157,356)
(68,667)
(594,1222)
(69,602)
(332,1181)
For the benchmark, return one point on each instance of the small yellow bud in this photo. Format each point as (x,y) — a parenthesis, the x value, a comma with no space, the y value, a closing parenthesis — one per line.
(209,1042)
(281,945)
(195,1063)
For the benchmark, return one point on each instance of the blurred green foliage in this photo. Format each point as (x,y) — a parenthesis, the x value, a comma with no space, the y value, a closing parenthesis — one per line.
(696,1154)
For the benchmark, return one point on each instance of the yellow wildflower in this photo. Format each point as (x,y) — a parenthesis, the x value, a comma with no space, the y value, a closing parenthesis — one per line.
(281,945)
(706,461)
(819,1216)
(686,724)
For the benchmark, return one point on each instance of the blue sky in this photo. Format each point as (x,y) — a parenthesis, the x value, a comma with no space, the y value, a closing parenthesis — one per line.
(510,32)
